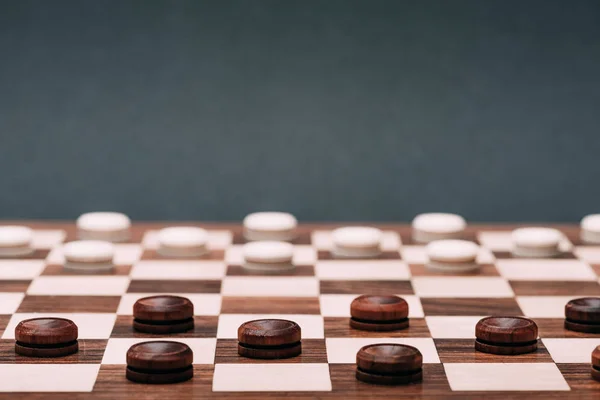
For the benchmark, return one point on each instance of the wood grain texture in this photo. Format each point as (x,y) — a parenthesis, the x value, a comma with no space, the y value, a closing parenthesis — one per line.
(14,286)
(59,270)
(340,328)
(90,351)
(213,255)
(379,308)
(463,351)
(269,332)
(204,327)
(270,305)
(387,358)
(69,304)
(384,255)
(555,328)
(313,351)
(381,288)
(470,306)
(173,286)
(484,270)
(298,270)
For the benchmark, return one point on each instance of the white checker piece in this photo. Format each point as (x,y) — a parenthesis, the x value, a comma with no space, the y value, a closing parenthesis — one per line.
(323,240)
(461,287)
(177,270)
(338,305)
(343,350)
(124,254)
(303,255)
(271,377)
(571,350)
(312,326)
(362,270)
(90,325)
(270,286)
(204,303)
(217,239)
(505,377)
(116,350)
(79,285)
(545,270)
(48,377)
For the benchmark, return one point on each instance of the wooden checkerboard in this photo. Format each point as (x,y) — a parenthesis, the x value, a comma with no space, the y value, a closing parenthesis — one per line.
(316,294)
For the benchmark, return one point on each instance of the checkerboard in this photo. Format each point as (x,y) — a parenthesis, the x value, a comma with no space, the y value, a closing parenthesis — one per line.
(444,309)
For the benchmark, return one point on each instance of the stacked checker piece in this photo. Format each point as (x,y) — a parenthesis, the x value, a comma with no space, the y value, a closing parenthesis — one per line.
(381,361)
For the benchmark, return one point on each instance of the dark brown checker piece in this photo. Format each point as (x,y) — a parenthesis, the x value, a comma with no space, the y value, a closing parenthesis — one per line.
(269,339)
(389,364)
(583,315)
(159,362)
(46,337)
(379,313)
(163,314)
(596,363)
(506,335)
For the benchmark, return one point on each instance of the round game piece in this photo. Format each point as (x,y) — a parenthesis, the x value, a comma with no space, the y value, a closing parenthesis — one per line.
(15,241)
(163,314)
(536,242)
(159,362)
(506,335)
(583,315)
(46,337)
(270,226)
(590,229)
(389,364)
(182,241)
(268,256)
(269,339)
(596,363)
(89,255)
(437,226)
(379,313)
(109,226)
(452,255)
(356,242)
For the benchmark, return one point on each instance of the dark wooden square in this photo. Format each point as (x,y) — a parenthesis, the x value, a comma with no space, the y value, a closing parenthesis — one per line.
(303,238)
(313,351)
(346,386)
(69,304)
(175,286)
(470,306)
(204,327)
(212,255)
(270,305)
(299,270)
(90,351)
(59,270)
(384,255)
(371,287)
(13,286)
(37,254)
(579,379)
(463,351)
(339,327)
(112,384)
(555,328)
(504,255)
(484,270)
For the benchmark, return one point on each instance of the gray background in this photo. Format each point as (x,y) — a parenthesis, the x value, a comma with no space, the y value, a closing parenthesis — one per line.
(333,110)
